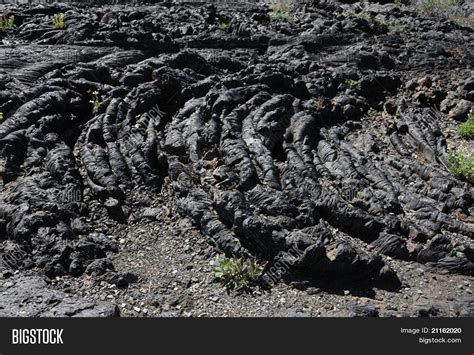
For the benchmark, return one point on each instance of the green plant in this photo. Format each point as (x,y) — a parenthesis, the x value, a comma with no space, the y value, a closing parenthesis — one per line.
(462,21)
(351,83)
(437,7)
(396,28)
(6,22)
(280,11)
(364,16)
(448,9)
(346,13)
(223,25)
(95,101)
(466,129)
(461,165)
(398,3)
(1,116)
(58,20)
(237,273)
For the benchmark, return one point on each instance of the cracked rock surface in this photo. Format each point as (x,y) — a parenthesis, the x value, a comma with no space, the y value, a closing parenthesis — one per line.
(29,296)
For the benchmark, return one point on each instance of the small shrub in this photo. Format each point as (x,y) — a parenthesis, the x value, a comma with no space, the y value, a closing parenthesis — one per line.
(223,25)
(351,83)
(346,13)
(365,17)
(463,21)
(396,28)
(371,20)
(461,165)
(437,7)
(58,20)
(398,3)
(237,273)
(6,22)
(1,116)
(280,11)
(466,129)
(95,101)
(448,9)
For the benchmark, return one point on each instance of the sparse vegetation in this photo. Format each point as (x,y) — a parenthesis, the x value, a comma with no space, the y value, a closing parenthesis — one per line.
(1,116)
(364,16)
(398,3)
(461,165)
(346,13)
(354,14)
(462,21)
(351,83)
(6,22)
(95,101)
(437,7)
(58,20)
(280,11)
(466,129)
(237,273)
(396,28)
(223,25)
(448,9)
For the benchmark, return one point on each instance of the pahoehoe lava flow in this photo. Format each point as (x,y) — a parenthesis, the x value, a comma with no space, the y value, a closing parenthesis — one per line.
(329,133)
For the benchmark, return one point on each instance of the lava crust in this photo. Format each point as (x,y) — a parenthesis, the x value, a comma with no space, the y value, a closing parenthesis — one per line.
(328,134)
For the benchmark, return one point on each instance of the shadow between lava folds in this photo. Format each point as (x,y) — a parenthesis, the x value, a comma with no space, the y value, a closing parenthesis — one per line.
(333,285)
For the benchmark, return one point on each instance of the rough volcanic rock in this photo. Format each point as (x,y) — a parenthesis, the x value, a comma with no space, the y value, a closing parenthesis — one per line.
(325,135)
(30,296)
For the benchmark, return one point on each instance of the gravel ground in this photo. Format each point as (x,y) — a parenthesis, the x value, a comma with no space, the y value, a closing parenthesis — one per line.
(175,268)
